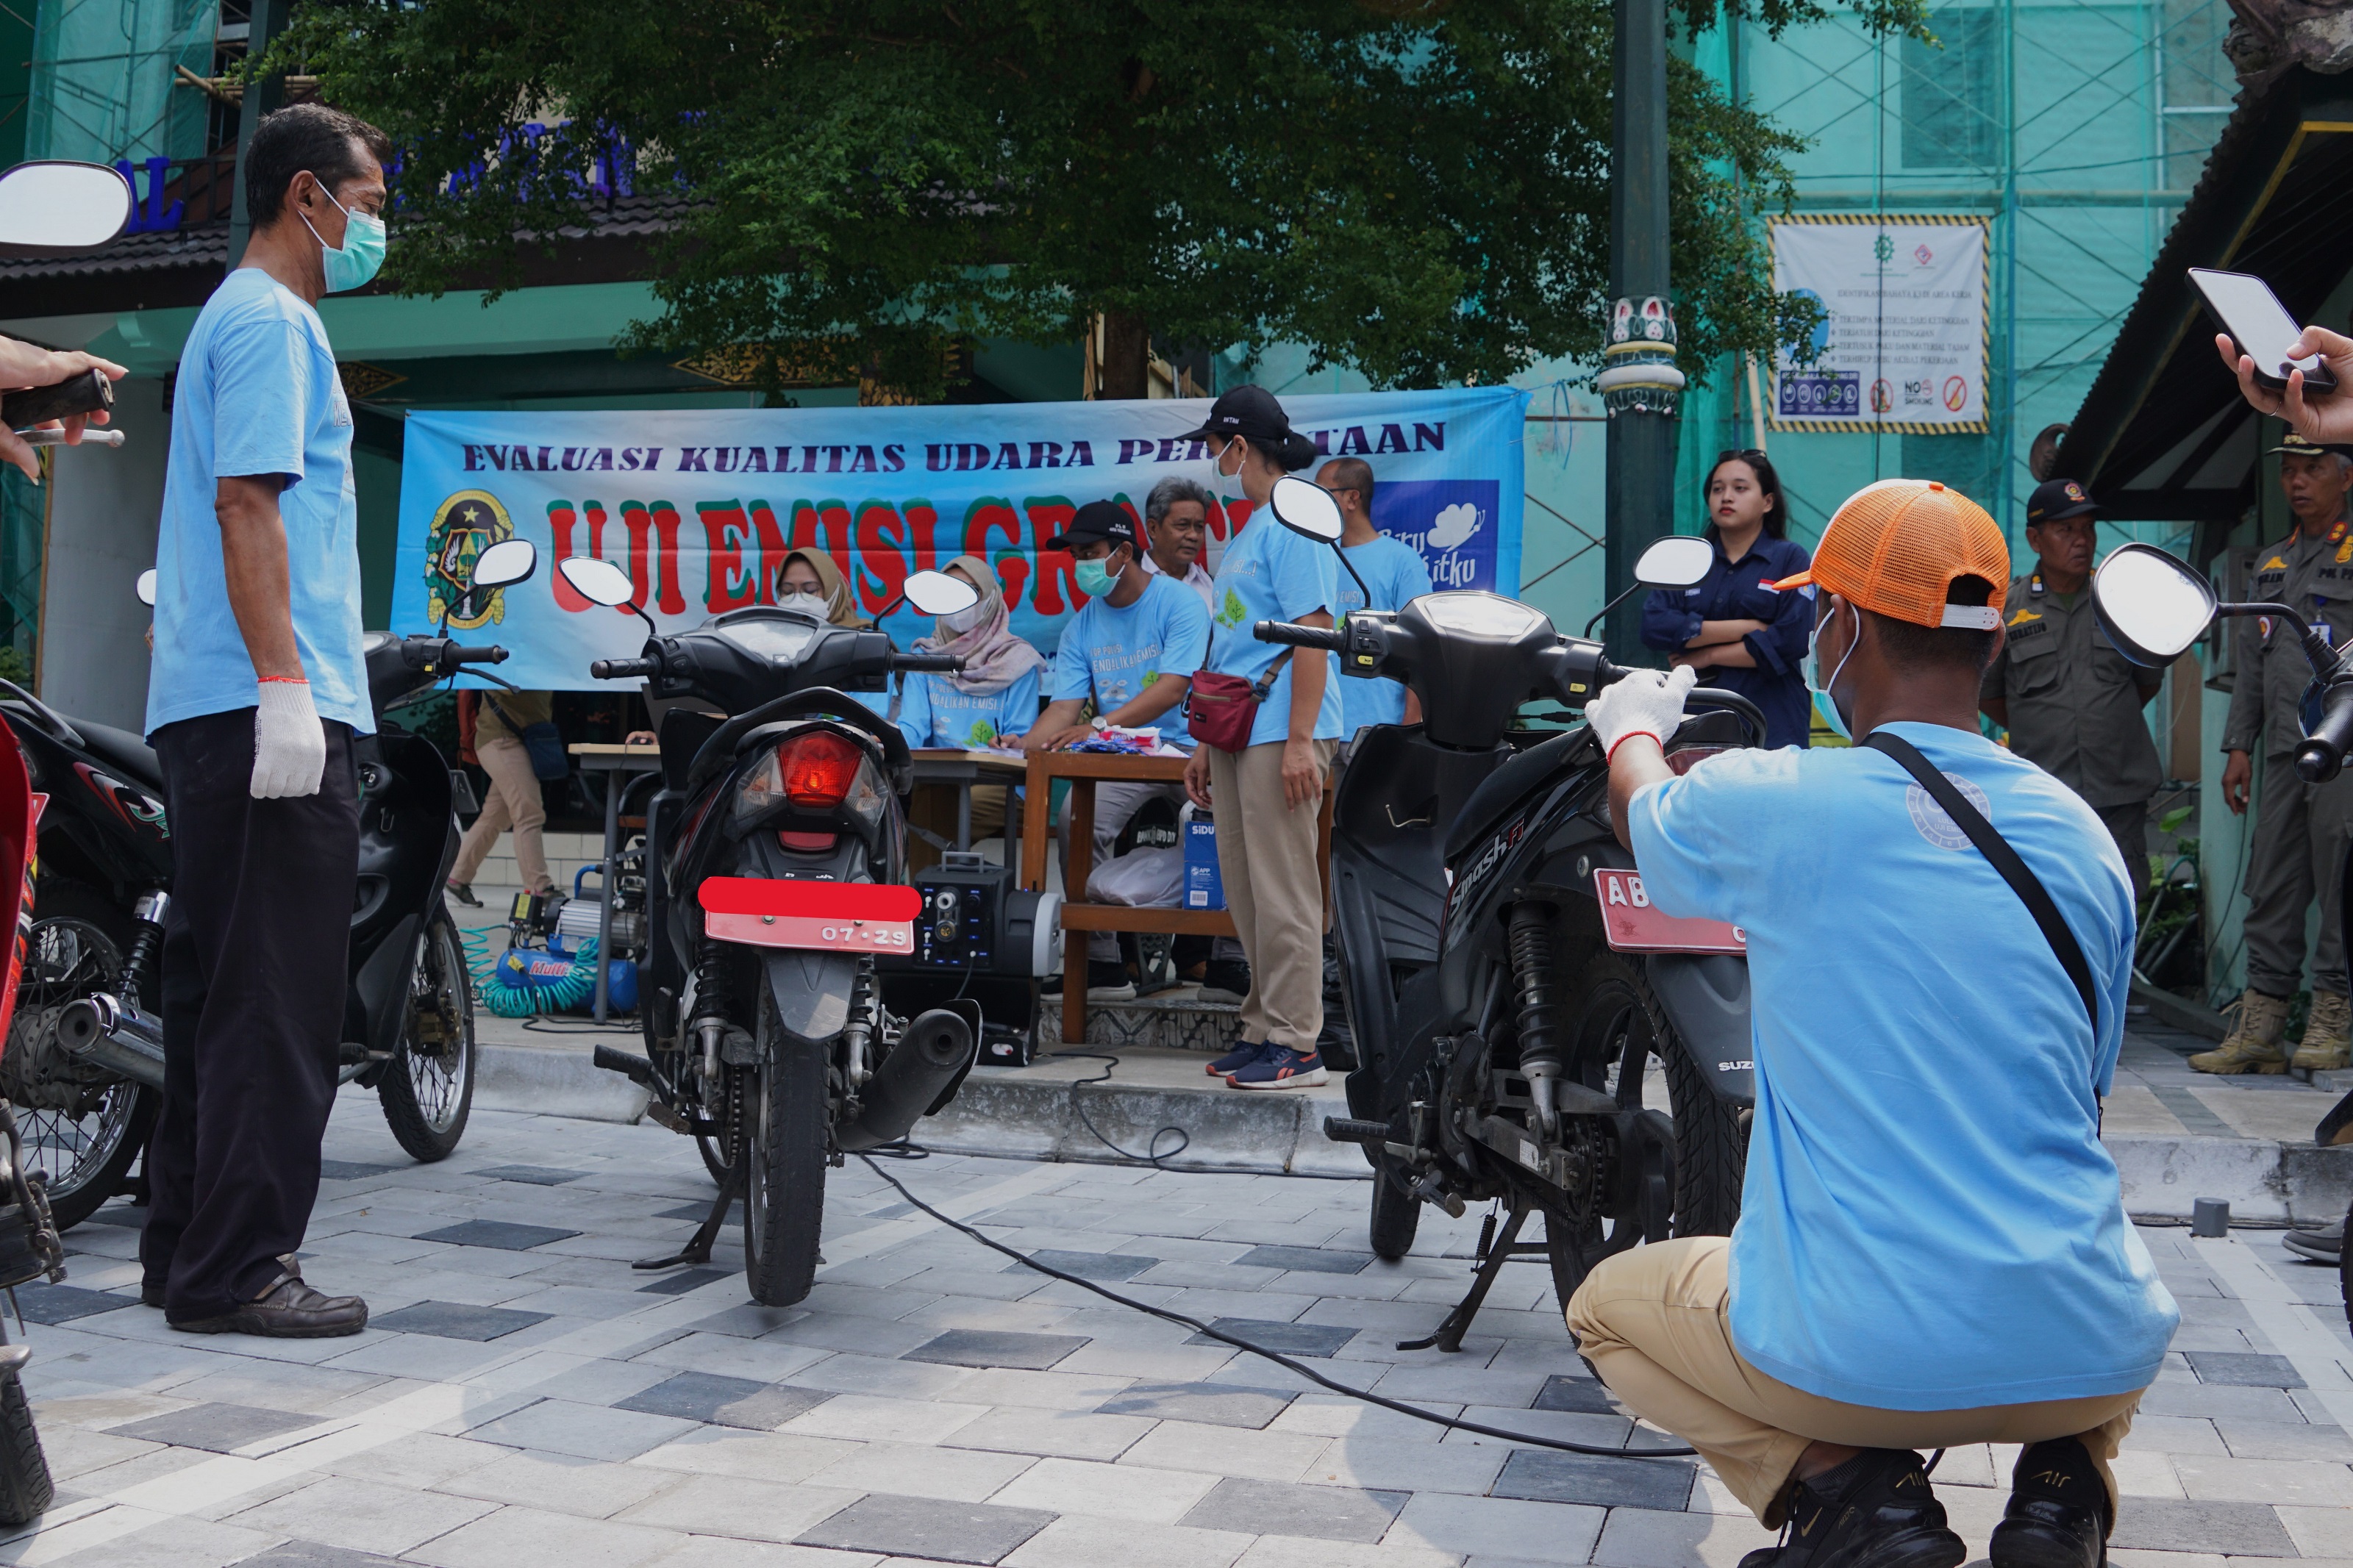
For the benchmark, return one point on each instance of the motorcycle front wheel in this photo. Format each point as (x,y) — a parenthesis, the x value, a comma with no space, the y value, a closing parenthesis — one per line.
(785,1152)
(26,1490)
(428,1088)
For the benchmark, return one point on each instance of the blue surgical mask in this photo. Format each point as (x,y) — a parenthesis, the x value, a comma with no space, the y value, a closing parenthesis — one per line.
(1819,690)
(362,255)
(1095,578)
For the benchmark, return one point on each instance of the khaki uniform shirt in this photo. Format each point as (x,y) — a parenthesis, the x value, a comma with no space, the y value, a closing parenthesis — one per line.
(525,708)
(2314,577)
(2075,701)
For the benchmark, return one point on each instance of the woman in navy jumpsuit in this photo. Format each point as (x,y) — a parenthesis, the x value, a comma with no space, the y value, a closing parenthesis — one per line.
(1737,633)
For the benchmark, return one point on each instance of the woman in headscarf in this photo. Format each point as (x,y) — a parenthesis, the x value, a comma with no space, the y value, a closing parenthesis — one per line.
(808,579)
(992,697)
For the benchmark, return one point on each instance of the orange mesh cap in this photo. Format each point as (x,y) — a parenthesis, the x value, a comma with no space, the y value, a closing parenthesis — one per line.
(1896,546)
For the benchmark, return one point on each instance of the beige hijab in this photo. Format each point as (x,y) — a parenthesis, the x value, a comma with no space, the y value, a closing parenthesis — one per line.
(840,607)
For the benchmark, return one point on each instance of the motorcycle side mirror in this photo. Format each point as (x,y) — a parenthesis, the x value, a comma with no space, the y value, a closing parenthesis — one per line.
(2151,604)
(1304,507)
(146,588)
(506,563)
(939,593)
(54,206)
(598,582)
(1679,561)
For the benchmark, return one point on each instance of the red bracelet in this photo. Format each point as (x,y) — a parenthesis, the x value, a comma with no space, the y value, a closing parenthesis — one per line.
(288,679)
(1612,755)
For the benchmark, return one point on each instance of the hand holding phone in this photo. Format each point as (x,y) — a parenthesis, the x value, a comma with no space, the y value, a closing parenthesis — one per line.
(2252,314)
(2323,417)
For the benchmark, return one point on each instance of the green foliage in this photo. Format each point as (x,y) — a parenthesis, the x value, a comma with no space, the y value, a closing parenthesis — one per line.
(1417,189)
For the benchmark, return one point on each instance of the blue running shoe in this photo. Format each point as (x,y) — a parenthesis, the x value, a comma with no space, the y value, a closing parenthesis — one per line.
(1244,1053)
(1280,1068)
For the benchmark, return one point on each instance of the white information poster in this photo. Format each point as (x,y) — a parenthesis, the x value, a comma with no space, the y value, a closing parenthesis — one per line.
(1903,344)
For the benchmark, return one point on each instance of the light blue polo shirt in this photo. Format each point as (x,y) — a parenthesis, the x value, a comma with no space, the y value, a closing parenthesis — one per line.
(936,711)
(257,394)
(1397,575)
(1111,654)
(1270,574)
(1930,1221)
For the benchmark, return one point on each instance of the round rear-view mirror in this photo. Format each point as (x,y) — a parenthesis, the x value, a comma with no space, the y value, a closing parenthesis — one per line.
(940,593)
(1306,506)
(598,582)
(62,207)
(145,587)
(2151,604)
(1679,561)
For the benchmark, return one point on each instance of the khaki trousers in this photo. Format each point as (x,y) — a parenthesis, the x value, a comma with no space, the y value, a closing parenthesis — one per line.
(513,801)
(2298,854)
(1266,858)
(1654,1323)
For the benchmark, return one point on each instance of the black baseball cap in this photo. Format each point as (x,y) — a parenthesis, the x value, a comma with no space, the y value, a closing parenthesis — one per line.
(2055,498)
(2292,442)
(1096,520)
(1251,412)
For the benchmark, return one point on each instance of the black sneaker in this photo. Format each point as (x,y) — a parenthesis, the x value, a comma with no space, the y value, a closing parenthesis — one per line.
(464,893)
(2058,1512)
(2325,1244)
(1109,981)
(1226,980)
(1876,1510)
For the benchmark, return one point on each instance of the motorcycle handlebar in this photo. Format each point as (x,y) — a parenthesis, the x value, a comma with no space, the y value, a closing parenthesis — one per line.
(1331,641)
(943,662)
(624,669)
(493,655)
(2321,756)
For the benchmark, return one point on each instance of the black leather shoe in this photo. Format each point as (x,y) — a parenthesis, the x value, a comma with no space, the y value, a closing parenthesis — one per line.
(287,1310)
(151,1292)
(2058,1512)
(1876,1510)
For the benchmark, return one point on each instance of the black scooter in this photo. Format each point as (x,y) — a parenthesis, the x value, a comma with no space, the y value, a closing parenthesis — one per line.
(775,873)
(1529,1030)
(409,1020)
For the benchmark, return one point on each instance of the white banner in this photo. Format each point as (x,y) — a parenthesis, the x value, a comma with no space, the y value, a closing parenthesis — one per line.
(1902,346)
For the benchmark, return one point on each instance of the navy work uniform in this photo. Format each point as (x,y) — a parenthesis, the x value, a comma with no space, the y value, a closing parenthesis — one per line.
(1735,591)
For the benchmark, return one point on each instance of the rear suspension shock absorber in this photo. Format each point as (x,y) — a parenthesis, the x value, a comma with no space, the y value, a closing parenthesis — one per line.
(1543,998)
(711,997)
(140,991)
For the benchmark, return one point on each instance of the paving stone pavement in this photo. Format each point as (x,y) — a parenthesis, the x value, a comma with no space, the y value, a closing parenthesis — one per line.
(526,1400)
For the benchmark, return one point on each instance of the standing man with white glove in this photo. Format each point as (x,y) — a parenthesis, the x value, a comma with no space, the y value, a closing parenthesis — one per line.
(258,689)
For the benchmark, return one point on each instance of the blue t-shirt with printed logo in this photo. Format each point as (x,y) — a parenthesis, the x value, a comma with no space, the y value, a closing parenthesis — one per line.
(935,711)
(1929,1220)
(1270,574)
(1397,575)
(258,394)
(1111,654)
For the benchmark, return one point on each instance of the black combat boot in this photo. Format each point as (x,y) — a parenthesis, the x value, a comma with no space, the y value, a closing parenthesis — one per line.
(2059,1513)
(1876,1510)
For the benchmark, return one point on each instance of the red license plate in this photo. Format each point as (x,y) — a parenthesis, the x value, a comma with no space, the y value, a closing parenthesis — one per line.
(845,917)
(1634,925)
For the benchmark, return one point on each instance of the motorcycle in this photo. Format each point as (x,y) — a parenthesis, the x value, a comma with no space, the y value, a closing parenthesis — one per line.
(1528,1031)
(408,1021)
(774,875)
(2152,607)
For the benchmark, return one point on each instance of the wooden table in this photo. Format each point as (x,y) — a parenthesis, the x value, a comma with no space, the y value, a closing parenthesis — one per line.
(618,762)
(963,769)
(1085,769)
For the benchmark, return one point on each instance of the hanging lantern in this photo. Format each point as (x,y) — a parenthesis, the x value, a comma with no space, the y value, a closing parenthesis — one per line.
(1639,374)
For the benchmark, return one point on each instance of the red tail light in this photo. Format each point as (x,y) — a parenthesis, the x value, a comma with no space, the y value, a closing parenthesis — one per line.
(817,769)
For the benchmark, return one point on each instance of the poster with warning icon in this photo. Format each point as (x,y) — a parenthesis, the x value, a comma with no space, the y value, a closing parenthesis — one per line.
(1902,342)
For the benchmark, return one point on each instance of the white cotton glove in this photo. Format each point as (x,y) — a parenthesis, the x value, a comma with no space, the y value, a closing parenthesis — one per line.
(1641,702)
(290,744)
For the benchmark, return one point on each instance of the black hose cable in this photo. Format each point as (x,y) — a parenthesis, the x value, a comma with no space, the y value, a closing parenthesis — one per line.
(1079,1104)
(1286,1362)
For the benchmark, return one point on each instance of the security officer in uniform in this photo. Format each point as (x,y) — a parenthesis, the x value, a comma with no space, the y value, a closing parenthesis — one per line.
(2300,828)
(2070,702)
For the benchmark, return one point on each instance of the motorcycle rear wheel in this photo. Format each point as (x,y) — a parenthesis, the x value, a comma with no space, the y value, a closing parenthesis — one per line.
(785,1146)
(428,1088)
(1396,1213)
(26,1488)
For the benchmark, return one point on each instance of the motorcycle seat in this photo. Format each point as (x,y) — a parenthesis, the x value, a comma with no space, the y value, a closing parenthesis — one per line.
(121,751)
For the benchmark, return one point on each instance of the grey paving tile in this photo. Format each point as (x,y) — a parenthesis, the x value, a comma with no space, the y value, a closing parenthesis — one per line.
(532,1175)
(1305,1259)
(1090,1265)
(2244,1369)
(309,1554)
(217,1428)
(504,1235)
(1211,1403)
(726,1401)
(927,1528)
(1290,1337)
(1279,1508)
(2281,1440)
(685,1280)
(2240,1528)
(351,1171)
(122,1215)
(997,1347)
(696,1211)
(452,1320)
(1563,1392)
(1542,1476)
(64,1303)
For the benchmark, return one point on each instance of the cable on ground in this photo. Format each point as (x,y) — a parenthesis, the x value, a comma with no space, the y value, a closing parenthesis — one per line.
(1079,1104)
(1287,1363)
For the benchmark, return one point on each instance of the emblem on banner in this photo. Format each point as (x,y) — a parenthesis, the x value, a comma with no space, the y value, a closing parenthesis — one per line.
(468,523)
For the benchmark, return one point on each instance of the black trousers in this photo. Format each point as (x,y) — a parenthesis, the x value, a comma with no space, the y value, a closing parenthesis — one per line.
(253,983)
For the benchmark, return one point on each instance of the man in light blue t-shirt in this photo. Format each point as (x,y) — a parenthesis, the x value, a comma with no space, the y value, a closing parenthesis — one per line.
(257,688)
(1396,575)
(1932,1248)
(1130,653)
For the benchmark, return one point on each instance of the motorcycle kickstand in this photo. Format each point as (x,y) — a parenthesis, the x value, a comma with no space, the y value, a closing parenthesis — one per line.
(1449,1337)
(698,1247)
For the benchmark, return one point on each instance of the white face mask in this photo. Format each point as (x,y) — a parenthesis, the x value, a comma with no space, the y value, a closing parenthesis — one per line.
(964,621)
(1818,688)
(808,603)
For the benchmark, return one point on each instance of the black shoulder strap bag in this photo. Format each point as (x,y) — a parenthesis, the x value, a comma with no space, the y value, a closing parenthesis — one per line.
(2006,860)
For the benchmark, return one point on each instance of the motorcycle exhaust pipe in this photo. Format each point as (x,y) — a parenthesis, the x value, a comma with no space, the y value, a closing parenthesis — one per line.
(936,1047)
(104,1032)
